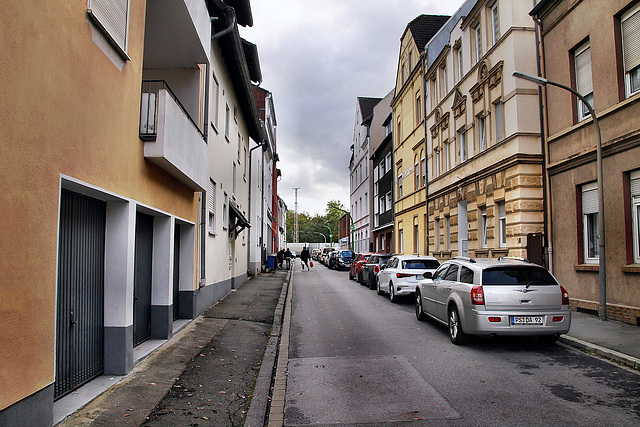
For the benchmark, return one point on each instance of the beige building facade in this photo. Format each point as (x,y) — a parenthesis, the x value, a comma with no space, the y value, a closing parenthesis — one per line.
(485,193)
(593,47)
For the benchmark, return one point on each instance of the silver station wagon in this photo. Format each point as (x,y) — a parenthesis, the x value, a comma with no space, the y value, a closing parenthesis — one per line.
(503,296)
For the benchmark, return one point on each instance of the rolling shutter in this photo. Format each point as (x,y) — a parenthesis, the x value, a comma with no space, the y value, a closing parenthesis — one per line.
(589,199)
(113,16)
(631,41)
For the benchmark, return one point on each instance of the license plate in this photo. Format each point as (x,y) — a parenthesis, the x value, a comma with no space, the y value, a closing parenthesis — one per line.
(526,320)
(419,276)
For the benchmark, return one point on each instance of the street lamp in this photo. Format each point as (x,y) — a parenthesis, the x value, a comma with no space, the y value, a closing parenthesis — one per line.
(330,233)
(323,236)
(352,245)
(602,259)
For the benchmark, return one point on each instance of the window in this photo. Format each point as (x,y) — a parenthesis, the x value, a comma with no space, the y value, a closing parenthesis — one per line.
(635,206)
(212,207)
(215,102)
(239,145)
(466,275)
(418,110)
(234,179)
(447,232)
(387,161)
(244,173)
(434,92)
(416,172)
(495,24)
(445,85)
(404,74)
(437,163)
(499,114)
(410,61)
(584,79)
(452,273)
(631,50)
(437,225)
(416,238)
(401,240)
(399,184)
(462,140)
(388,201)
(225,211)
(590,219)
(227,118)
(502,224)
(459,74)
(481,134)
(399,137)
(112,16)
(478,42)
(447,156)
(483,227)
(423,169)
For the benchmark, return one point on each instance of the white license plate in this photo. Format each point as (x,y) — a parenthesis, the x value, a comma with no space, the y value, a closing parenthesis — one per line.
(526,320)
(419,276)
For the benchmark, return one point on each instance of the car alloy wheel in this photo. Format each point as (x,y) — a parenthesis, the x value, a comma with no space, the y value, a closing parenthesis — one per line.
(378,286)
(392,293)
(456,333)
(420,315)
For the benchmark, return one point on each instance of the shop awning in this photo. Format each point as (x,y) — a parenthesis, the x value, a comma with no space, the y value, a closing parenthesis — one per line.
(237,221)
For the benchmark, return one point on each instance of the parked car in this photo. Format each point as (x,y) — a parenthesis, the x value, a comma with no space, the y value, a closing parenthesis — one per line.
(344,258)
(332,259)
(400,275)
(371,268)
(358,261)
(324,257)
(315,254)
(485,296)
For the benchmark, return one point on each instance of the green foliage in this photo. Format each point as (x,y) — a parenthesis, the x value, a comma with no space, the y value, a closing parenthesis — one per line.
(317,228)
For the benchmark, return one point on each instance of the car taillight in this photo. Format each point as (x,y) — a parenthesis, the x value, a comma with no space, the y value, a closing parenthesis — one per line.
(401,275)
(376,269)
(477,295)
(565,296)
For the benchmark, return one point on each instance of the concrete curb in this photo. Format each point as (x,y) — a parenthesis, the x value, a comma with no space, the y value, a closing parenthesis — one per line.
(257,413)
(607,353)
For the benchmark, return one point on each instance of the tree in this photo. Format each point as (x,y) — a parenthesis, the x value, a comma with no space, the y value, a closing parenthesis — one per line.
(311,228)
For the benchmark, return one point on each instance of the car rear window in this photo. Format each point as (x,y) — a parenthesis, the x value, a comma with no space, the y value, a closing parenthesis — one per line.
(517,276)
(346,254)
(421,264)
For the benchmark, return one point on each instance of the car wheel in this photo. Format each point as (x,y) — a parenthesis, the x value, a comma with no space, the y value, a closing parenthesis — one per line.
(548,339)
(419,311)
(456,333)
(359,278)
(392,294)
(378,286)
(350,275)
(372,284)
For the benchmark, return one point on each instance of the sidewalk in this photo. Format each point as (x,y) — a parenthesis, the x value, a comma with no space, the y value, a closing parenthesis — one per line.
(610,339)
(206,373)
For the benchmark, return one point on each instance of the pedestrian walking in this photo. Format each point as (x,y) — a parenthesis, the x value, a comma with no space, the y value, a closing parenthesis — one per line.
(280,257)
(304,257)
(287,257)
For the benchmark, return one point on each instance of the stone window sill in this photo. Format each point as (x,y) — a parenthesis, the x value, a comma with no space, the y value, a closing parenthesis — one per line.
(587,267)
(631,268)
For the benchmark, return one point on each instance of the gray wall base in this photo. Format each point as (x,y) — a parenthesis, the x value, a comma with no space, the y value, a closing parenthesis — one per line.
(118,350)
(34,410)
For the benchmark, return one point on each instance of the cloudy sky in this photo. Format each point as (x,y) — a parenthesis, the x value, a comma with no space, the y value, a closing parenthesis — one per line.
(317,57)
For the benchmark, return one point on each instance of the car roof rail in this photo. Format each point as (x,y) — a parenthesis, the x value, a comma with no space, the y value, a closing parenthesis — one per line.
(465,258)
(515,258)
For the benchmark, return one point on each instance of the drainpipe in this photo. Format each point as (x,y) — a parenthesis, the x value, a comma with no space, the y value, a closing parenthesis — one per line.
(426,163)
(203,236)
(546,199)
(260,145)
(231,25)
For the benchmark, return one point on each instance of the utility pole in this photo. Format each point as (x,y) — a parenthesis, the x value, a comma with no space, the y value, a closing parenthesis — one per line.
(295,222)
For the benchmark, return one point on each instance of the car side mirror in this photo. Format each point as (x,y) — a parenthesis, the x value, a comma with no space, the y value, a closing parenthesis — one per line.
(427,275)
(382,267)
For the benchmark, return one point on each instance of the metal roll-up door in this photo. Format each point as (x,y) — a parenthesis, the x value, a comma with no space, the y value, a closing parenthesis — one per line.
(80,292)
(142,279)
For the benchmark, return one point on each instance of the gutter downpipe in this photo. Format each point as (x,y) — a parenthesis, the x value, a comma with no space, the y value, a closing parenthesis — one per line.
(426,164)
(546,200)
(203,195)
(231,25)
(260,144)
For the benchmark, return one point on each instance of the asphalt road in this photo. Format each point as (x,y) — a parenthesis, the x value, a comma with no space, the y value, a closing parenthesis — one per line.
(357,359)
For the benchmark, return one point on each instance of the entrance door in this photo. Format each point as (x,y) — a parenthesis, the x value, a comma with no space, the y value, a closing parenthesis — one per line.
(176,272)
(80,293)
(142,279)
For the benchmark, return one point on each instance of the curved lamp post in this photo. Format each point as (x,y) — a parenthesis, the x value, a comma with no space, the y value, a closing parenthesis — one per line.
(330,233)
(352,243)
(602,259)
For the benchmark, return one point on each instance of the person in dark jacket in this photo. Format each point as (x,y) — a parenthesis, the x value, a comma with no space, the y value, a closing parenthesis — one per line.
(304,257)
(280,257)
(287,256)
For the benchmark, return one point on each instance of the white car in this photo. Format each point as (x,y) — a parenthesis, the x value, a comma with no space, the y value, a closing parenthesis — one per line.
(401,274)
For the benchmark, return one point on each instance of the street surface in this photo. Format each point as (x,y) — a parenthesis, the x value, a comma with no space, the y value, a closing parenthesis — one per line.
(357,359)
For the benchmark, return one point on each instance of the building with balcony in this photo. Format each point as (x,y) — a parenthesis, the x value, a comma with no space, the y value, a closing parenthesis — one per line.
(381,179)
(100,190)
(485,196)
(235,131)
(409,167)
(359,174)
(594,48)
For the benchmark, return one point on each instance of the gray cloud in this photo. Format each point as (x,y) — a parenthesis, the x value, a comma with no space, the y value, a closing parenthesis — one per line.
(317,58)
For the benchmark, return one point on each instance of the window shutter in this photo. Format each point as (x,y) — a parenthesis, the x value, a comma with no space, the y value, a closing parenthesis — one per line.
(113,16)
(584,82)
(212,196)
(589,199)
(635,184)
(631,41)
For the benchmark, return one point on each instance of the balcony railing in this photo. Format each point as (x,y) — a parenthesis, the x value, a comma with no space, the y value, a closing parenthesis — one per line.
(149,109)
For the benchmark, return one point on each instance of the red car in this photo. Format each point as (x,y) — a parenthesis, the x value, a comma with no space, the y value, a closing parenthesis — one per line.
(356,265)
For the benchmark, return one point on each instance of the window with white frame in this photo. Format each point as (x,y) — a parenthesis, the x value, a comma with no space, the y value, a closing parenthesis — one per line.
(436,162)
(215,102)
(495,23)
(399,184)
(502,225)
(401,240)
(462,140)
(483,227)
(630,22)
(416,238)
(112,17)
(381,202)
(389,203)
(423,169)
(212,206)
(225,211)
(447,232)
(584,79)
(234,180)
(416,172)
(437,226)
(244,173)
(477,31)
(447,156)
(399,132)
(227,121)
(458,64)
(444,86)
(418,109)
(590,221)
(387,161)
(635,206)
(239,145)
